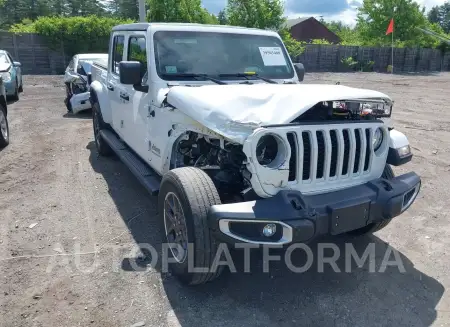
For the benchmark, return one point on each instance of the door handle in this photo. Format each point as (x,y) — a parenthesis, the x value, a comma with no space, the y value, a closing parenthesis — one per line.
(125,96)
(110,87)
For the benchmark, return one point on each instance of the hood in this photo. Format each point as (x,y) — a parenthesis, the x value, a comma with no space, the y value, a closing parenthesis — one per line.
(4,66)
(234,111)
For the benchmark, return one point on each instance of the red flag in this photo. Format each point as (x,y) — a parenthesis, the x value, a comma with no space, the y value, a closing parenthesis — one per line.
(390,28)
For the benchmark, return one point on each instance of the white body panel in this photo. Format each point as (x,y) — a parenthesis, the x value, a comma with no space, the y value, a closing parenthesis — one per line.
(236,113)
(225,108)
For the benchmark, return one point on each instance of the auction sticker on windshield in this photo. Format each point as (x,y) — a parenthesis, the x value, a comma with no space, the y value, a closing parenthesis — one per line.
(272,56)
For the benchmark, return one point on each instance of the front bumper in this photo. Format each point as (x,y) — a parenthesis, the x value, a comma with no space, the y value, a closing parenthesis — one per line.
(80,102)
(300,218)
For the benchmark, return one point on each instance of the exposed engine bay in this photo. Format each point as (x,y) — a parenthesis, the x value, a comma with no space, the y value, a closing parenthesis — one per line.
(223,161)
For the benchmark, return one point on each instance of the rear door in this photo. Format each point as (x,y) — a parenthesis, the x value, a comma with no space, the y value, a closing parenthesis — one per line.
(136,109)
(113,82)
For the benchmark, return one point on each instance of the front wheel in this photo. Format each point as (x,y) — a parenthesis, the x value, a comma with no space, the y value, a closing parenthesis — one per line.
(388,174)
(185,197)
(103,148)
(4,128)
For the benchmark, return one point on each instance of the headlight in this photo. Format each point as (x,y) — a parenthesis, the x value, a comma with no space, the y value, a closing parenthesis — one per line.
(378,109)
(271,151)
(6,77)
(377,139)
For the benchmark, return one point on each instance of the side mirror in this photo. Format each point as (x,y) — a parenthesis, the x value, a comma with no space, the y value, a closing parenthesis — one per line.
(300,70)
(131,74)
(17,64)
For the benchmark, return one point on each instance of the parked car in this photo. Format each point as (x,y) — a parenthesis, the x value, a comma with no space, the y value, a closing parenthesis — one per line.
(4,128)
(11,72)
(216,122)
(77,81)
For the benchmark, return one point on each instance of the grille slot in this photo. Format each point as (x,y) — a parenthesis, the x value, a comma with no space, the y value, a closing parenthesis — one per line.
(334,153)
(357,151)
(306,155)
(294,155)
(320,154)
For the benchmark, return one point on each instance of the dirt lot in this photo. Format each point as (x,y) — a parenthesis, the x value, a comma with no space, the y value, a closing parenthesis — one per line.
(50,175)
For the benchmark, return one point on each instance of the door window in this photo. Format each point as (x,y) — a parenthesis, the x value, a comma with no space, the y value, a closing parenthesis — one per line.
(137,51)
(117,54)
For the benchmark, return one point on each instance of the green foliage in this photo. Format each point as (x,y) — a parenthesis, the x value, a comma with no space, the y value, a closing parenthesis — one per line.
(349,62)
(441,15)
(320,41)
(78,34)
(373,20)
(222,18)
(186,11)
(294,47)
(15,11)
(264,14)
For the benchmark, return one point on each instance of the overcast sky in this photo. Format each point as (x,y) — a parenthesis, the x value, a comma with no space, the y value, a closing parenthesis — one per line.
(344,10)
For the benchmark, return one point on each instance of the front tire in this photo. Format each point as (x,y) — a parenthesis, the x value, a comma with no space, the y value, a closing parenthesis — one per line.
(388,174)
(185,197)
(102,147)
(4,128)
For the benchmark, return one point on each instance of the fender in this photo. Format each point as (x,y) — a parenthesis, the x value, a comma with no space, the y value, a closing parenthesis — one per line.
(399,149)
(97,93)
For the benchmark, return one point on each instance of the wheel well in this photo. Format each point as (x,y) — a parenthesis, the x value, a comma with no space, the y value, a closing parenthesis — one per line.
(3,104)
(93,97)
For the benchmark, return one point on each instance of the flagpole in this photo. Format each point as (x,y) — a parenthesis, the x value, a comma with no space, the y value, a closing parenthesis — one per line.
(392,51)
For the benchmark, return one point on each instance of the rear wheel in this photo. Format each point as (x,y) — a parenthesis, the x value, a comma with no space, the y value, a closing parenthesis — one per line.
(4,128)
(388,173)
(102,147)
(185,197)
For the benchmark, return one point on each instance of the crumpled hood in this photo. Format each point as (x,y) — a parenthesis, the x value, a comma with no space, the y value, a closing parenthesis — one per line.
(234,111)
(4,66)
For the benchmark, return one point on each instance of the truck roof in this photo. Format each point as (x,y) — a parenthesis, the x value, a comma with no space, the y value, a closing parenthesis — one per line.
(189,27)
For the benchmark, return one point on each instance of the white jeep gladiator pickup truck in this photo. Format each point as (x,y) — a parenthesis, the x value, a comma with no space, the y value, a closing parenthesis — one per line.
(215,121)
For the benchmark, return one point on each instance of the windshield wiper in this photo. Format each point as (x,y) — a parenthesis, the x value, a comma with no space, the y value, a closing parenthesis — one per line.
(191,75)
(247,75)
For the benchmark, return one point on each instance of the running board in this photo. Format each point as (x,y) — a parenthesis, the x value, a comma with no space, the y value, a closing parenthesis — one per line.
(147,176)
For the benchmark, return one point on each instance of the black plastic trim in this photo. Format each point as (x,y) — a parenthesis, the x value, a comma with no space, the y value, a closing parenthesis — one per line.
(331,213)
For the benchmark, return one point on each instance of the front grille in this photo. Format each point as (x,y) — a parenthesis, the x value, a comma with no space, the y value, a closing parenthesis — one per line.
(330,154)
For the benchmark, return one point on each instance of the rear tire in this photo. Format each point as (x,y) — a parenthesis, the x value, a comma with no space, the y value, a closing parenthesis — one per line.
(102,147)
(388,173)
(4,128)
(195,193)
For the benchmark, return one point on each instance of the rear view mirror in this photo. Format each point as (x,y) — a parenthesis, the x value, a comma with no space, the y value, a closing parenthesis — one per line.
(300,70)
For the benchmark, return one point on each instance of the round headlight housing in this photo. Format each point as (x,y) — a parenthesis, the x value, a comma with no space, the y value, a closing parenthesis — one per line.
(377,139)
(271,151)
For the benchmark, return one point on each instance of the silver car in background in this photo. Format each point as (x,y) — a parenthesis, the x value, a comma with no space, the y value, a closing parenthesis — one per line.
(76,79)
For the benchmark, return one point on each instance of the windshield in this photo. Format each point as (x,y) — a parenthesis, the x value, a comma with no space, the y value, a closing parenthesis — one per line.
(214,54)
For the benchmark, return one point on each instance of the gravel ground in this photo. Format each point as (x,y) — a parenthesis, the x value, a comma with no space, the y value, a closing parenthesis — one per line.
(51,175)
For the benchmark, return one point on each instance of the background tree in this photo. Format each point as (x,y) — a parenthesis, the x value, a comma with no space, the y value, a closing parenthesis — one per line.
(222,18)
(374,16)
(265,14)
(189,11)
(441,15)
